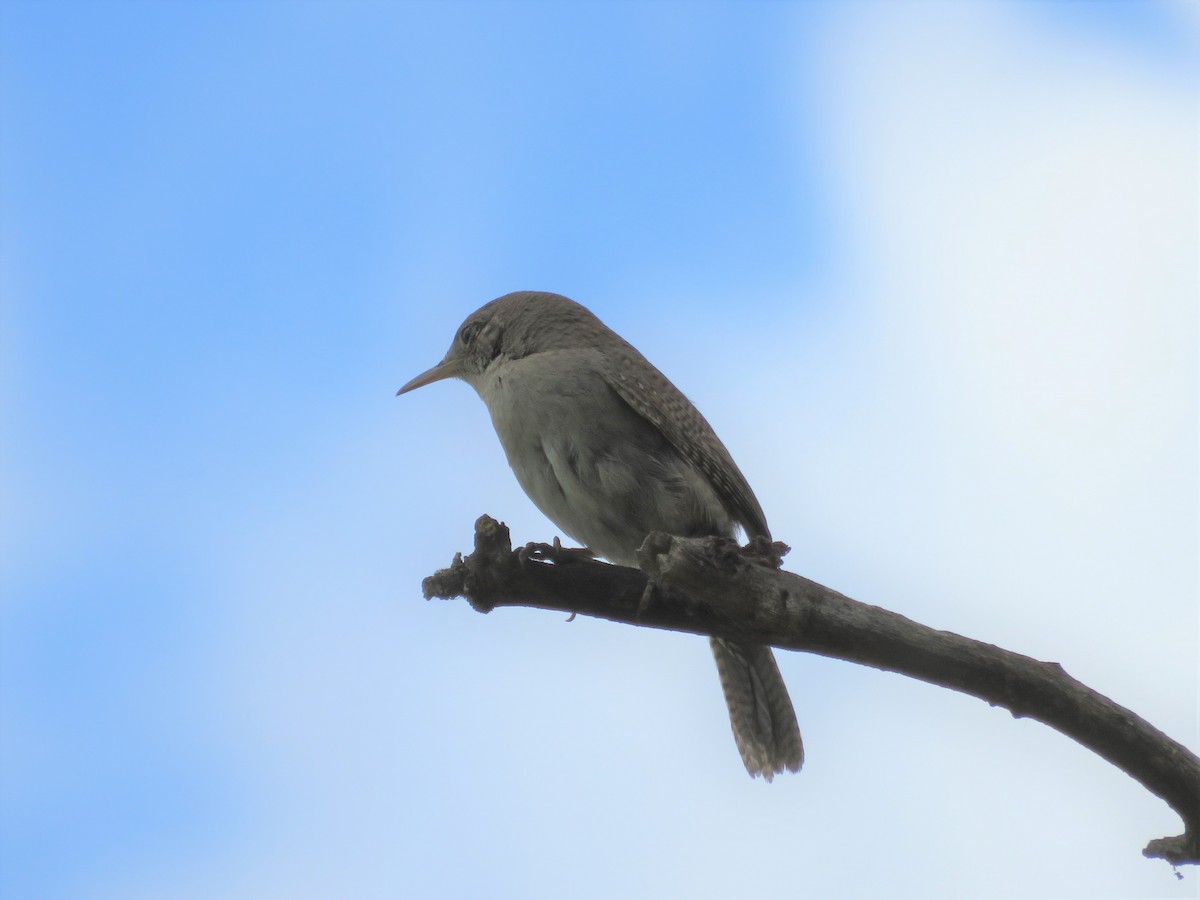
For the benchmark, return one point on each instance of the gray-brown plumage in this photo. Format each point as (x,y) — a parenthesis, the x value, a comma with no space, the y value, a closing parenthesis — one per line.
(610,450)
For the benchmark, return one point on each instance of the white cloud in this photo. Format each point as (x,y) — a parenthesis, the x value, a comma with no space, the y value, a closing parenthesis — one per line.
(1012,429)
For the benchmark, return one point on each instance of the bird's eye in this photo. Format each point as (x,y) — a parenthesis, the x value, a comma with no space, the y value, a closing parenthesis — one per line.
(468,332)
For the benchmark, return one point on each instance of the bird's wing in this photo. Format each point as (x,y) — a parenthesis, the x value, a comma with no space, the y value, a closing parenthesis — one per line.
(655,399)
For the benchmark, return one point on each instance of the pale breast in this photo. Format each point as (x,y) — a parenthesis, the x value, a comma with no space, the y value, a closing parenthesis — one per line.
(597,469)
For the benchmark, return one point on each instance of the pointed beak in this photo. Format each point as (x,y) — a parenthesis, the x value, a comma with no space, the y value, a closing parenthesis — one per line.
(447,368)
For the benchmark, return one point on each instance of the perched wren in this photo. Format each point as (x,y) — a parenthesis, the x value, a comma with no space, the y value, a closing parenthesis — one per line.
(610,450)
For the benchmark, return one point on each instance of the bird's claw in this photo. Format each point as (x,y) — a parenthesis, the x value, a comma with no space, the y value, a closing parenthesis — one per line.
(552,553)
(649,595)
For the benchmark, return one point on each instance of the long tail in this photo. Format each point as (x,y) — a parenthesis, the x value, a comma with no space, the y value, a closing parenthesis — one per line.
(760,710)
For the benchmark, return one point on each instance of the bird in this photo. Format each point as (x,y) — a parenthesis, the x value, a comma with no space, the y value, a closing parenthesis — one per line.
(610,450)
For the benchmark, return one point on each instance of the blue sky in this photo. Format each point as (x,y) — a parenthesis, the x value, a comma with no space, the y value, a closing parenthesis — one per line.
(944,256)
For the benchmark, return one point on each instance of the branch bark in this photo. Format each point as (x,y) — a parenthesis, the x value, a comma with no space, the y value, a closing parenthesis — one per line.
(711,586)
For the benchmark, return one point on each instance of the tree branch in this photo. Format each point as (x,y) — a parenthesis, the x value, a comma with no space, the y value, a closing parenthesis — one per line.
(711,586)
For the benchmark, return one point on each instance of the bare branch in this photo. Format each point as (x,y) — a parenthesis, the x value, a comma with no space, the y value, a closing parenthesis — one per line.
(711,586)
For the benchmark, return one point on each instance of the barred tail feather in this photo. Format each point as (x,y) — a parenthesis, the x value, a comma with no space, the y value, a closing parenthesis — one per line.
(760,710)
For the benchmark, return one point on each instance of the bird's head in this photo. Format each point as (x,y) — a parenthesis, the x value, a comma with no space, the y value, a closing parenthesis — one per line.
(513,327)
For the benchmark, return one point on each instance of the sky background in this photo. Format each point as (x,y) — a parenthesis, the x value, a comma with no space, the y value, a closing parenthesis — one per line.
(930,269)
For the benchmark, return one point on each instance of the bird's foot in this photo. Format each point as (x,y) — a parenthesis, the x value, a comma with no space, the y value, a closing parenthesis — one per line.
(553,553)
(649,596)
(769,553)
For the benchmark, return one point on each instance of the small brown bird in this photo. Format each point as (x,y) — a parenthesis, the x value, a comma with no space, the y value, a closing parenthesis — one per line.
(610,450)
